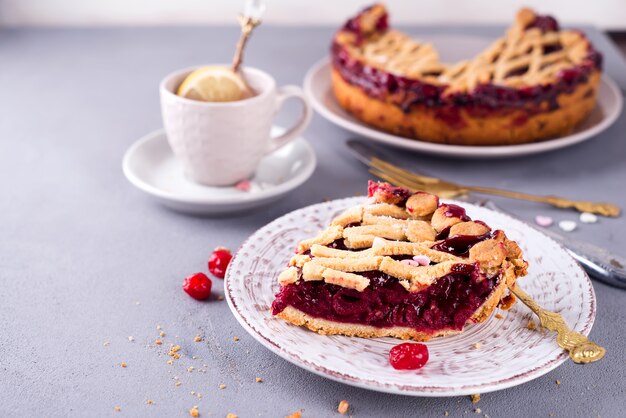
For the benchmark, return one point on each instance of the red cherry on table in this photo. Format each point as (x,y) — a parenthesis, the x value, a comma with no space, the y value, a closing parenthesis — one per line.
(408,356)
(198,286)
(218,261)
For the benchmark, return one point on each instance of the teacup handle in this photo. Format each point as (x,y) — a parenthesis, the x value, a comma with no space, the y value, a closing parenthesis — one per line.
(283,94)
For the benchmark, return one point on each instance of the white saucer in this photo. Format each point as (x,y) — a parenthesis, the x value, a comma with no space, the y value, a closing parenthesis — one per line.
(150,165)
(452,48)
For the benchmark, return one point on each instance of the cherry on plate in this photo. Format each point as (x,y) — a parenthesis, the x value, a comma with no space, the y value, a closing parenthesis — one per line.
(198,286)
(408,356)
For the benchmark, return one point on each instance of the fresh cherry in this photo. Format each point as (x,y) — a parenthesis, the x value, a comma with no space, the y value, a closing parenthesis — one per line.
(218,261)
(408,356)
(198,286)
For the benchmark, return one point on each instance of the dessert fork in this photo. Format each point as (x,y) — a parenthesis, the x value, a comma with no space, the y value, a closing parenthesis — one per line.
(580,349)
(412,180)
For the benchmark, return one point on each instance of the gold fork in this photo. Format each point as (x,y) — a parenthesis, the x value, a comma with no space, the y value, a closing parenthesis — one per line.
(579,347)
(411,180)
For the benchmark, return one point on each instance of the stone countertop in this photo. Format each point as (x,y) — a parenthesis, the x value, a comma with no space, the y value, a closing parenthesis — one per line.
(87,261)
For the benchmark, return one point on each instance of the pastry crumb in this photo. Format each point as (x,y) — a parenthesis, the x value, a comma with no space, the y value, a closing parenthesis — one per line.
(478,410)
(296,414)
(123,364)
(158,342)
(178,383)
(343,407)
(106,343)
(498,316)
(190,369)
(161,334)
(475,397)
(446,413)
(194,412)
(131,338)
(507,302)
(531,325)
(197,338)
(117,408)
(174,351)
(236,338)
(159,327)
(258,380)
(149,402)
(558,382)
(170,361)
(222,386)
(477,346)
(220,297)
(231,415)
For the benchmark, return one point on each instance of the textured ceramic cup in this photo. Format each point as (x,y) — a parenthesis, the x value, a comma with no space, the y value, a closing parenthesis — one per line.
(221,143)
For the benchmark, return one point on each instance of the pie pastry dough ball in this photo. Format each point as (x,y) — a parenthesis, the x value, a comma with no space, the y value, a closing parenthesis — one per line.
(422,204)
(440,221)
(513,250)
(489,253)
(469,228)
(386,196)
(418,231)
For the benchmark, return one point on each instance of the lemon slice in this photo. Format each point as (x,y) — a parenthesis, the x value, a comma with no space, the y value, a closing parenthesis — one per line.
(213,84)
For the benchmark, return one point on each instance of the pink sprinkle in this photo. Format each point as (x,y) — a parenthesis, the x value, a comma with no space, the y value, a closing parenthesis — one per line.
(243,185)
(422,260)
(543,220)
(410,262)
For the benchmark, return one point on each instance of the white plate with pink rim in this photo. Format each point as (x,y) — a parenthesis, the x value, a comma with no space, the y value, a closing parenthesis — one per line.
(453,48)
(508,354)
(150,165)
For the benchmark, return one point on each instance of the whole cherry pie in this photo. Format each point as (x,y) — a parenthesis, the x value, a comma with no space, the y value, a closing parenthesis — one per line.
(535,83)
(401,265)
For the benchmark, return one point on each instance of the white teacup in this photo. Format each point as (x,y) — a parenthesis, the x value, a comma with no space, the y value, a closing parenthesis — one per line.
(221,143)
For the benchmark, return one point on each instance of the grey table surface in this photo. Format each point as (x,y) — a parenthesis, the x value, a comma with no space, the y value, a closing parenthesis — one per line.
(87,259)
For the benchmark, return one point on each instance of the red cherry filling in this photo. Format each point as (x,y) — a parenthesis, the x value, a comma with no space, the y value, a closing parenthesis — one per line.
(455,211)
(460,244)
(545,23)
(385,192)
(198,286)
(447,304)
(408,356)
(218,261)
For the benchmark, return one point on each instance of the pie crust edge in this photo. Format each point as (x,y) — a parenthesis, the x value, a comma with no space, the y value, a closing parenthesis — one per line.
(421,123)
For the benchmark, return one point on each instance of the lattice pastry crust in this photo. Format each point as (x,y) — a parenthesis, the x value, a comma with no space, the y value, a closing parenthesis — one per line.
(374,235)
(523,57)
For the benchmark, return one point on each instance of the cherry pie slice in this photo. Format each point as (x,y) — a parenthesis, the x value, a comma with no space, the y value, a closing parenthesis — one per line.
(537,82)
(401,265)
